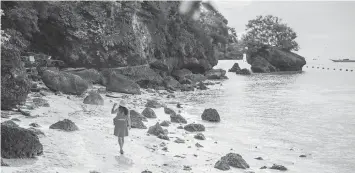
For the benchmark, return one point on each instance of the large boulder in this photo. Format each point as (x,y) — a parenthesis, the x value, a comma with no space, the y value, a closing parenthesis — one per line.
(177,118)
(274,59)
(118,83)
(171,83)
(210,115)
(222,165)
(216,74)
(90,75)
(94,98)
(15,84)
(234,160)
(149,113)
(156,130)
(144,76)
(153,104)
(66,125)
(17,142)
(194,127)
(64,82)
(169,111)
(235,68)
(137,120)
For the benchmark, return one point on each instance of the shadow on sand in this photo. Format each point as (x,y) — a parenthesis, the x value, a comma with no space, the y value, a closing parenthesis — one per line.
(124,161)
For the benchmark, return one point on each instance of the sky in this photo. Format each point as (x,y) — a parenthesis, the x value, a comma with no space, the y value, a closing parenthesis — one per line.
(326,30)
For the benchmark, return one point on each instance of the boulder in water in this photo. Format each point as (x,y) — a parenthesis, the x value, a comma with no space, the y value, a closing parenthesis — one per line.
(179,140)
(66,83)
(194,127)
(36,131)
(177,118)
(163,136)
(17,142)
(274,59)
(210,115)
(9,123)
(235,68)
(216,74)
(278,167)
(94,98)
(149,113)
(66,125)
(34,125)
(235,160)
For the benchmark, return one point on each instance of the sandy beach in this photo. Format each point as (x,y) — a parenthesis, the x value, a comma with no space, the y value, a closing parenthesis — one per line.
(95,148)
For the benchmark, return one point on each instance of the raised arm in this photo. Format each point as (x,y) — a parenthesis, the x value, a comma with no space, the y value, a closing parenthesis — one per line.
(113,111)
(129,120)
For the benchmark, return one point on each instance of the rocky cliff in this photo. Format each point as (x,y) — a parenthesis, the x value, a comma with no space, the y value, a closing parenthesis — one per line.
(113,34)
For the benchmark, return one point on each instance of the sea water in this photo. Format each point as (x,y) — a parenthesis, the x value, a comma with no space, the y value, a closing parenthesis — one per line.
(280,116)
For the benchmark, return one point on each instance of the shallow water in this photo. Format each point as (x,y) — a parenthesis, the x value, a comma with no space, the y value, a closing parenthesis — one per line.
(285,115)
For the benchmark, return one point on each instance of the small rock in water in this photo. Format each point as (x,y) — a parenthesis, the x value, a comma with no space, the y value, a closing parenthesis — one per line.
(263,167)
(259,158)
(162,144)
(165,149)
(24,113)
(153,104)
(187,168)
(34,125)
(235,160)
(278,167)
(165,164)
(198,145)
(303,155)
(15,119)
(178,105)
(199,136)
(177,118)
(169,111)
(180,127)
(179,141)
(195,155)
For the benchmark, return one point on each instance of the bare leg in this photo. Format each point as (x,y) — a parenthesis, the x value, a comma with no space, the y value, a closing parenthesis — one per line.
(120,142)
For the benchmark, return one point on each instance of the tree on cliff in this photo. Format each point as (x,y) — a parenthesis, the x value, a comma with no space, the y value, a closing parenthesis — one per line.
(269,31)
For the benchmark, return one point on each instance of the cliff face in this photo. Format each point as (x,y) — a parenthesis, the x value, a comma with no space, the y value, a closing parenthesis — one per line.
(112,34)
(274,59)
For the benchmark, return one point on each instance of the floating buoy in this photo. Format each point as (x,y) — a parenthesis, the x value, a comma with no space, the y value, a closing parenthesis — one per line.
(312,67)
(340,69)
(346,70)
(333,69)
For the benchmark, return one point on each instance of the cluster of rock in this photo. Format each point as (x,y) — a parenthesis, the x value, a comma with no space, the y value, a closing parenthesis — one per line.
(235,68)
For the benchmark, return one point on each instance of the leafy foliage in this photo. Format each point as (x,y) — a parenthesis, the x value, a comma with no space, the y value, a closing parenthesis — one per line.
(269,31)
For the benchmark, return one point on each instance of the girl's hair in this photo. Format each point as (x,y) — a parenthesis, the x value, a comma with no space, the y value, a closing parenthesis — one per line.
(125,110)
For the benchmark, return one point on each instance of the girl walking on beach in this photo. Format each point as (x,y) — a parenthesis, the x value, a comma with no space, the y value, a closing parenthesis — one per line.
(122,122)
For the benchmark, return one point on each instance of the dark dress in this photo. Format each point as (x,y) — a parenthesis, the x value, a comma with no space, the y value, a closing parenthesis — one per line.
(120,122)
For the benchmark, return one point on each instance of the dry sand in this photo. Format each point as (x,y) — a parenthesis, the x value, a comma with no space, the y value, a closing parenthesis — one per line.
(95,148)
